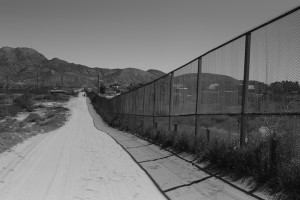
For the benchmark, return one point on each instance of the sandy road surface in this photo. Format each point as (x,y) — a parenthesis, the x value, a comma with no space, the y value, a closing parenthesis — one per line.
(76,162)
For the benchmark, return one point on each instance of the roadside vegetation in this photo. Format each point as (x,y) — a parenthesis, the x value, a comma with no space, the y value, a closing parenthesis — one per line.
(31,114)
(270,157)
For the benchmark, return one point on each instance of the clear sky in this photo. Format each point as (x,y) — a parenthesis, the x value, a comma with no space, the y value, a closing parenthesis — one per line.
(144,34)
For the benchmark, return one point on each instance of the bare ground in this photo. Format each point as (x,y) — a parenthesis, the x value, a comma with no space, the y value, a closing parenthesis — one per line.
(76,161)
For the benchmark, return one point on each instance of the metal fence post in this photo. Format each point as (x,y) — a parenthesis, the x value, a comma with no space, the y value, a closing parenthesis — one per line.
(243,130)
(143,108)
(171,101)
(154,99)
(198,94)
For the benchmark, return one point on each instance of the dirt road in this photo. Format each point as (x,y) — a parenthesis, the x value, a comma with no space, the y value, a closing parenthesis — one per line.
(76,161)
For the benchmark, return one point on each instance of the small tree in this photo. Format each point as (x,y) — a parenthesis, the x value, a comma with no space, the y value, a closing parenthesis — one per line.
(102,89)
(25,101)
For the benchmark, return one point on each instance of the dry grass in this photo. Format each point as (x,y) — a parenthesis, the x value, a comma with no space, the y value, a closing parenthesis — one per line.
(13,131)
(251,161)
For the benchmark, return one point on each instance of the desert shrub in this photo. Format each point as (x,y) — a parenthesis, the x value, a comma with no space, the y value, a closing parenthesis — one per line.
(146,133)
(200,146)
(13,110)
(124,126)
(131,127)
(34,117)
(50,114)
(288,156)
(25,102)
(50,121)
(10,110)
(184,141)
(39,106)
(56,97)
(181,142)
(157,136)
(151,134)
(60,109)
(3,112)
(282,173)
(39,97)
(164,138)
(115,122)
(137,129)
(5,126)
(251,160)
(40,91)
(289,177)
(55,110)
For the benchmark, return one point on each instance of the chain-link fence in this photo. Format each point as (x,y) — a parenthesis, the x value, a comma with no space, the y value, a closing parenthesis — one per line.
(242,93)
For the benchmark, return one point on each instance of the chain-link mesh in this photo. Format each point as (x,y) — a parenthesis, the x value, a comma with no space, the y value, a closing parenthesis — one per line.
(274,67)
(183,132)
(221,79)
(162,123)
(222,128)
(148,123)
(149,99)
(140,101)
(162,96)
(185,89)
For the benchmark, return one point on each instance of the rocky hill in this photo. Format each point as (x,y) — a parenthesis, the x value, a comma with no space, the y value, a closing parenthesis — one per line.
(124,76)
(156,72)
(25,67)
(18,60)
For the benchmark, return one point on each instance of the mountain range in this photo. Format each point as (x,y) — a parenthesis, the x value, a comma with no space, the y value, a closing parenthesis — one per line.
(26,67)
